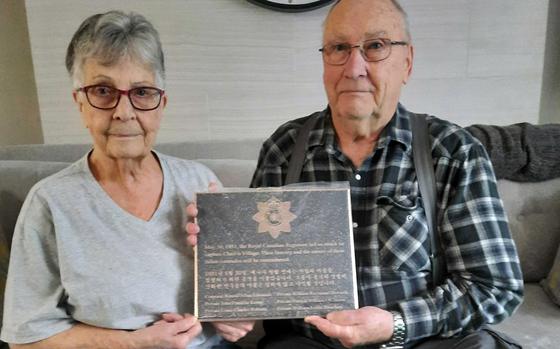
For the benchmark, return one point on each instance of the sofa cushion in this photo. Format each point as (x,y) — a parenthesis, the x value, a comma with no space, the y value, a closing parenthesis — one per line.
(232,172)
(535,324)
(532,210)
(17,179)
(551,284)
(44,152)
(212,149)
(208,149)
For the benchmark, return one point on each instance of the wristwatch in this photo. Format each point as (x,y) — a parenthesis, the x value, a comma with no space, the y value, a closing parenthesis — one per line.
(399,332)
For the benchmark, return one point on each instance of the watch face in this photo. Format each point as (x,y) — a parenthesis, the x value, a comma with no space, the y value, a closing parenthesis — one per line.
(292,5)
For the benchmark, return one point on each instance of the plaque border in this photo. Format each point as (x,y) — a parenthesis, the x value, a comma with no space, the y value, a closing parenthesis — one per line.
(272,190)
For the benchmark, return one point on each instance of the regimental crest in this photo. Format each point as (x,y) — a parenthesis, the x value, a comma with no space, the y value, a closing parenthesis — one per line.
(274,217)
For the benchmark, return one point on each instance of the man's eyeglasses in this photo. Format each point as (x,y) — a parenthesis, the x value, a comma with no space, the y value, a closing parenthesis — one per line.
(373,50)
(107,97)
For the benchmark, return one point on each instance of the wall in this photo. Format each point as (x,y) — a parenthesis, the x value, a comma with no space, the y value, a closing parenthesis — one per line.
(550,99)
(238,71)
(478,61)
(19,110)
(234,70)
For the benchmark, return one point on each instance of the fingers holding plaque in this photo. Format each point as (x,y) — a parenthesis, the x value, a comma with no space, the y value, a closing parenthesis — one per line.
(272,253)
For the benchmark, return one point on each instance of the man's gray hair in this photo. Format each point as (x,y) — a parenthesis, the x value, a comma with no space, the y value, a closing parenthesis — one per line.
(111,36)
(399,8)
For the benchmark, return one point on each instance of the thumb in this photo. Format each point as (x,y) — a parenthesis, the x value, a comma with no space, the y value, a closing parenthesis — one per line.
(213,187)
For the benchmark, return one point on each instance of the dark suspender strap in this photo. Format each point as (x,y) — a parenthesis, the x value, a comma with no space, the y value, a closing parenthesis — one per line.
(300,150)
(422,155)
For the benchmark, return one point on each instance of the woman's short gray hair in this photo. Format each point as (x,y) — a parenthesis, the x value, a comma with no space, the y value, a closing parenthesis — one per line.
(109,37)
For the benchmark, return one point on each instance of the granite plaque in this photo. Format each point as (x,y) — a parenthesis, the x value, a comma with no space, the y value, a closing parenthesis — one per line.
(273,253)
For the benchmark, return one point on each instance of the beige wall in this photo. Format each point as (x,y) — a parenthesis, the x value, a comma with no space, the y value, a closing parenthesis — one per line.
(19,109)
(234,70)
(238,71)
(550,101)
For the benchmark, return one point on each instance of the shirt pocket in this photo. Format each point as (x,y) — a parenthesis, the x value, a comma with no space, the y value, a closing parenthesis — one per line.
(404,244)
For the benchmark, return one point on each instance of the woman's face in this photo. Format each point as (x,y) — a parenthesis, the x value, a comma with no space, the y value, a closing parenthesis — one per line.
(123,132)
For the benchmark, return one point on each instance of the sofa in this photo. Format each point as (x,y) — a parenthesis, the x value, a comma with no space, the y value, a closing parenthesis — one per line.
(533,209)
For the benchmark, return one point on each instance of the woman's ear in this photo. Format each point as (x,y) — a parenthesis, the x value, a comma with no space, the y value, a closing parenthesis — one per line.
(78,101)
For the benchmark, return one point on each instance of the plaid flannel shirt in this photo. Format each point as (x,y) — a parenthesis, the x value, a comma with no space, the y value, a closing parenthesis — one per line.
(484,283)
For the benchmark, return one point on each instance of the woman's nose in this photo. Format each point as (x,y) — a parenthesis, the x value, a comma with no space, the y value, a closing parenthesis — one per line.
(124,109)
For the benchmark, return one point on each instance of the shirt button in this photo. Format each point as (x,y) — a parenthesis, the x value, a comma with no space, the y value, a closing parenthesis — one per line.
(409,218)
(357,176)
(355,225)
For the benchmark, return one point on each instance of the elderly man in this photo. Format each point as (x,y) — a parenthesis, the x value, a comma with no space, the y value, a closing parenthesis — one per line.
(364,137)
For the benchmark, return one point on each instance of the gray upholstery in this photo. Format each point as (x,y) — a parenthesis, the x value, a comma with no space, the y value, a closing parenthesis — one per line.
(522,152)
(533,211)
(537,321)
(17,177)
(245,150)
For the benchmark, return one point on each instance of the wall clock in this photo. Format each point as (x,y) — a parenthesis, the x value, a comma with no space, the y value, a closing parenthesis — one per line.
(292,5)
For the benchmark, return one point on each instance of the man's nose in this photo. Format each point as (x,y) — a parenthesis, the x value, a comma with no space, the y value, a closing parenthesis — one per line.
(356,65)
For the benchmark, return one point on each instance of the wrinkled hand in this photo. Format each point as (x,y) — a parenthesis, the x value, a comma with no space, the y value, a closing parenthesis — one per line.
(232,331)
(174,331)
(192,228)
(356,327)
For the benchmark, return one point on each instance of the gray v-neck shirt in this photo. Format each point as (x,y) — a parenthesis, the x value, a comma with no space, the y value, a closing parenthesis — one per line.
(78,256)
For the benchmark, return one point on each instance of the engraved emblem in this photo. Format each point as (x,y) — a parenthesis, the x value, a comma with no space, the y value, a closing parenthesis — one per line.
(274,217)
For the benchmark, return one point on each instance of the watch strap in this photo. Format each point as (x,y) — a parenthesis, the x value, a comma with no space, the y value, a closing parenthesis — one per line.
(399,332)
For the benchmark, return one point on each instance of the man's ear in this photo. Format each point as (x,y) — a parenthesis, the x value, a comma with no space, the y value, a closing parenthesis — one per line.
(409,62)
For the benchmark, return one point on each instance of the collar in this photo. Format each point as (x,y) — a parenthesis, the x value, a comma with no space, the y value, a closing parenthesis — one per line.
(397,130)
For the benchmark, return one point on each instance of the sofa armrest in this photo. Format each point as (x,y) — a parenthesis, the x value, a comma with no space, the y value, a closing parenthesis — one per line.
(521,152)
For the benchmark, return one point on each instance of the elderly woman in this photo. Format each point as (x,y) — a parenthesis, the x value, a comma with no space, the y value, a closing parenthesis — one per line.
(98,257)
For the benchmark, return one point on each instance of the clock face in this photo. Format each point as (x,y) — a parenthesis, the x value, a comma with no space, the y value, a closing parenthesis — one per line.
(292,5)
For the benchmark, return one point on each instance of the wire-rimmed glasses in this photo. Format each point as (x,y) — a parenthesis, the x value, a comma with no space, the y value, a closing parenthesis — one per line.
(373,50)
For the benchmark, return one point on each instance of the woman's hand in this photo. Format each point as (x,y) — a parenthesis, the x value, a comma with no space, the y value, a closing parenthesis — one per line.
(232,331)
(173,331)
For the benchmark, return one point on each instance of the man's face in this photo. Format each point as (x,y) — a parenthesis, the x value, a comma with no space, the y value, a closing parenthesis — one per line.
(360,89)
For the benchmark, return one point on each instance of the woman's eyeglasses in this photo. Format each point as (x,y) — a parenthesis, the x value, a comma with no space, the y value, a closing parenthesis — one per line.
(107,97)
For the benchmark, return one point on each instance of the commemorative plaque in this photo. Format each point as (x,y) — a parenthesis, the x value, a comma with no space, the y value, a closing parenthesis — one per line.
(273,253)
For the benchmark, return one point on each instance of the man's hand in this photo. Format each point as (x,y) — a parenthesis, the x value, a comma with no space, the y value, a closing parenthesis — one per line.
(233,331)
(192,228)
(174,331)
(356,327)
